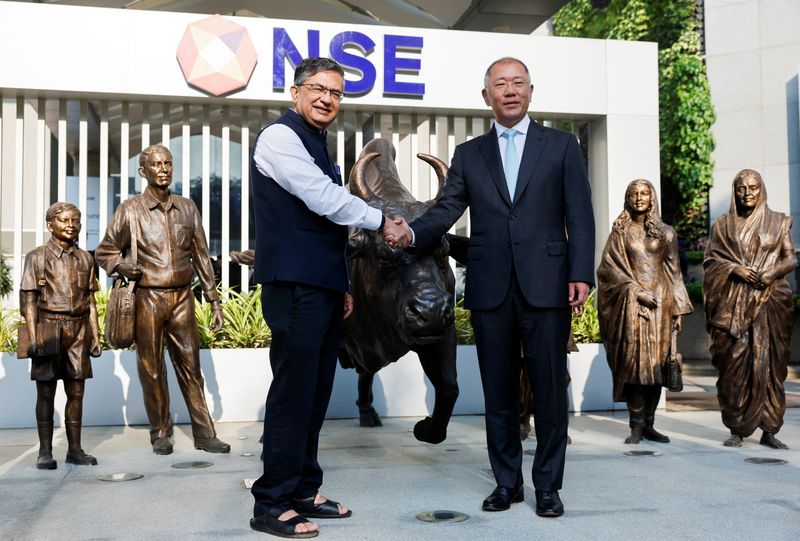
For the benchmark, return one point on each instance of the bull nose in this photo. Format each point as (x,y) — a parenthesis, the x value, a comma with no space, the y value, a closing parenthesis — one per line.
(430,310)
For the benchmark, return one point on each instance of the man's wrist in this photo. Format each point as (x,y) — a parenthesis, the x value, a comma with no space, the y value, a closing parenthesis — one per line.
(383,222)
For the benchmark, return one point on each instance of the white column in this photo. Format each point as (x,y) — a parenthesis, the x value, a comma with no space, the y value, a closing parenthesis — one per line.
(245,209)
(18,186)
(186,134)
(165,135)
(124,152)
(62,149)
(83,167)
(40,189)
(205,209)
(103,221)
(225,230)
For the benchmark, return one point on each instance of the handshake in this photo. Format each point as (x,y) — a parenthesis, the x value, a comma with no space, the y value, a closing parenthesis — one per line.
(396,232)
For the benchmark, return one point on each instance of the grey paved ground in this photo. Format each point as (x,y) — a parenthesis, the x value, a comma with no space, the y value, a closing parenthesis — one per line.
(697,489)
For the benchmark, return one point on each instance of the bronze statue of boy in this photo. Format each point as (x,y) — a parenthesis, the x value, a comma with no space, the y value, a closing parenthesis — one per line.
(57,302)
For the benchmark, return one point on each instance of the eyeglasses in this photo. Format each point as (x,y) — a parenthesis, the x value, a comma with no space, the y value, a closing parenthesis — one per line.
(317,89)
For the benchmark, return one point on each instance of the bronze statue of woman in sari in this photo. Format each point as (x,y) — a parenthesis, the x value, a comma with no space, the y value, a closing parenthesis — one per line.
(748,304)
(641,299)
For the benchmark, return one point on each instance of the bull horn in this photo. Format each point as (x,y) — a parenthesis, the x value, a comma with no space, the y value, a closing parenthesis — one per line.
(358,182)
(439,166)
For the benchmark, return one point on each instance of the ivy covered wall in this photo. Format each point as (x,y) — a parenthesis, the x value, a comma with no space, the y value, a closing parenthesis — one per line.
(685,109)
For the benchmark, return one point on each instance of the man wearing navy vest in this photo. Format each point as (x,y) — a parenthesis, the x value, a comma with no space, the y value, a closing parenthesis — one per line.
(302,213)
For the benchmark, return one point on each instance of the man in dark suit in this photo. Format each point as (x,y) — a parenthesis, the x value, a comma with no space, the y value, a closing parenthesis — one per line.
(530,258)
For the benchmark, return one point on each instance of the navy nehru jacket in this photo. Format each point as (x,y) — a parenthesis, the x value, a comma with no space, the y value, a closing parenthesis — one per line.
(293,243)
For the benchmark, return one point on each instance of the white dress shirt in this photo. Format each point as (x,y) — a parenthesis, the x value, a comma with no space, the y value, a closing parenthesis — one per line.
(280,155)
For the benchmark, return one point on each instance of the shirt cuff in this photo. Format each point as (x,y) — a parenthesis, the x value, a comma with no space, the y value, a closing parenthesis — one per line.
(373,219)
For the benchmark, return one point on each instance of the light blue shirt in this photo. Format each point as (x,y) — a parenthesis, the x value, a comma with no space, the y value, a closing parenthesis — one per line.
(280,155)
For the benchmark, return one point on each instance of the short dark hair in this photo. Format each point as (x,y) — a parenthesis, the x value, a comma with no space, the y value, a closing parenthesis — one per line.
(313,65)
(57,208)
(503,61)
(152,149)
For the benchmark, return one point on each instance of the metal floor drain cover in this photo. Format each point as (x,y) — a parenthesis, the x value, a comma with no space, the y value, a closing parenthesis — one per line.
(643,453)
(760,460)
(442,516)
(192,464)
(117,477)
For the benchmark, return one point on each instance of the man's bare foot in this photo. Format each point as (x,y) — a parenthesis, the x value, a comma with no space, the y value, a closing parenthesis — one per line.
(733,441)
(303,527)
(319,498)
(769,439)
(320,507)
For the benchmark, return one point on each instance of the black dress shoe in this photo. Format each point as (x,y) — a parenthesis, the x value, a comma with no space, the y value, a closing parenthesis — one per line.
(502,497)
(548,504)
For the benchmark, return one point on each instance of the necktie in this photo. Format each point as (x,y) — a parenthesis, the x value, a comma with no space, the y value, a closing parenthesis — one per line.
(511,161)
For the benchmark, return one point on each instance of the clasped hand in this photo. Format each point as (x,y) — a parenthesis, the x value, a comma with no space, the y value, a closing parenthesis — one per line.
(758,280)
(396,233)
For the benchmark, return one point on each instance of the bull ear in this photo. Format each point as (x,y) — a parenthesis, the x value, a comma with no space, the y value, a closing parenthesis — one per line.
(441,172)
(356,243)
(458,247)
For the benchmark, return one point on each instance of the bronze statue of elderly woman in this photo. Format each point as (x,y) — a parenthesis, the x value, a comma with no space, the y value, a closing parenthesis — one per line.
(748,304)
(641,299)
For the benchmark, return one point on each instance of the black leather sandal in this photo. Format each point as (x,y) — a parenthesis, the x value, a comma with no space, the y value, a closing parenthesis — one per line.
(281,528)
(326,509)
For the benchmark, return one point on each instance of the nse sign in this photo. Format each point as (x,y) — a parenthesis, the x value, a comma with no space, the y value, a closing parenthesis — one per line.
(217,56)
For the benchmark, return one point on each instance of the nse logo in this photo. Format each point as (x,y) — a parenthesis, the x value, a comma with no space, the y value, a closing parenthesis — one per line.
(217,56)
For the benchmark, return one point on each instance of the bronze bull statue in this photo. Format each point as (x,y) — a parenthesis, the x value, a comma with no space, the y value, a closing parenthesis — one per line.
(403,301)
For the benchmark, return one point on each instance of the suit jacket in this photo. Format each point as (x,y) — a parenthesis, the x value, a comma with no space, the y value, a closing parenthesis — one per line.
(545,235)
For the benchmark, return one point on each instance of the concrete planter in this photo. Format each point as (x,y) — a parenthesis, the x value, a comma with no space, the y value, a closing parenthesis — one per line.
(237,381)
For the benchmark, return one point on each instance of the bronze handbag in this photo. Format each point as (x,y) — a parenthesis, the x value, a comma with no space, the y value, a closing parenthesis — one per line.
(121,311)
(674,371)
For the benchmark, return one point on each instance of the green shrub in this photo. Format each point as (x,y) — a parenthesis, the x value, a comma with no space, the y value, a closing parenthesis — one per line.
(244,323)
(465,335)
(6,285)
(586,327)
(695,257)
(695,291)
(9,321)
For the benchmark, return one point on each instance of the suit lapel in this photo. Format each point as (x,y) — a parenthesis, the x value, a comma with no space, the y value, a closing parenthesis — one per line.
(534,144)
(491,154)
